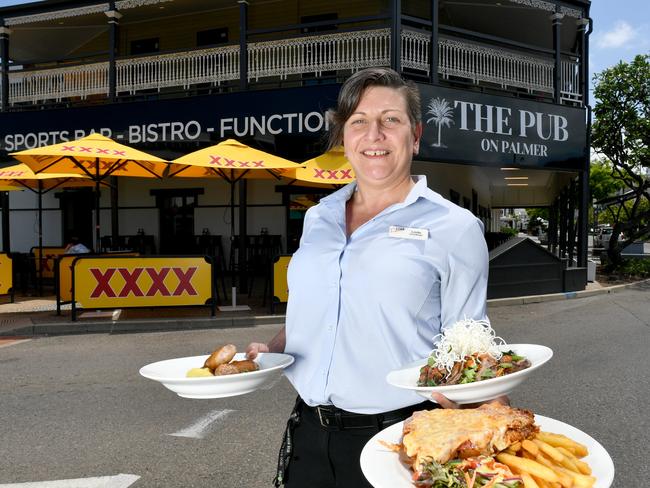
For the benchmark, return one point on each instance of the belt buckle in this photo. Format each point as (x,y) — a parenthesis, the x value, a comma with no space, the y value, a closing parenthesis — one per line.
(322,421)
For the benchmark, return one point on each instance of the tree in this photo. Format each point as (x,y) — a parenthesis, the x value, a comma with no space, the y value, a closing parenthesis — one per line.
(603,184)
(601,180)
(621,133)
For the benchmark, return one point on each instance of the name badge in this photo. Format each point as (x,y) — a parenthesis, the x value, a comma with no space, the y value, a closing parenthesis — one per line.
(408,233)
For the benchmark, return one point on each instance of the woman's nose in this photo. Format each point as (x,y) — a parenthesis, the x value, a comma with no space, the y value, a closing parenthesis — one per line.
(374,130)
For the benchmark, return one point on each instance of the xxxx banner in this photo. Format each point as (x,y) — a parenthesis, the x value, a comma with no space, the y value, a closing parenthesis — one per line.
(46,261)
(64,272)
(6,274)
(280,286)
(110,282)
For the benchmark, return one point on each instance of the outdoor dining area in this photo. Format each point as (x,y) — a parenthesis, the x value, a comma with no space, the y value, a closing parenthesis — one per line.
(241,264)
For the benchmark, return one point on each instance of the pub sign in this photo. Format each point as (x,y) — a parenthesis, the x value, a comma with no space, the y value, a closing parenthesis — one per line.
(468,127)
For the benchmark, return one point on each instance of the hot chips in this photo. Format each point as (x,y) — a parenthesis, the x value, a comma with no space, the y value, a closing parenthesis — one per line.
(549,461)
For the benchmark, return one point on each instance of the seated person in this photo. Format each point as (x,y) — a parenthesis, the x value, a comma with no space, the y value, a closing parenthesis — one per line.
(76,247)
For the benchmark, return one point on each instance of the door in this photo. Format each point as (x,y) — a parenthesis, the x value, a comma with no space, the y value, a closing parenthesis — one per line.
(77,213)
(177,223)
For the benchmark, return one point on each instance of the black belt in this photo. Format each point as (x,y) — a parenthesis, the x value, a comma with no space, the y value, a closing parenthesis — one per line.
(335,418)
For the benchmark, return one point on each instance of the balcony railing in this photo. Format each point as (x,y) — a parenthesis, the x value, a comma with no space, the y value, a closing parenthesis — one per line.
(462,60)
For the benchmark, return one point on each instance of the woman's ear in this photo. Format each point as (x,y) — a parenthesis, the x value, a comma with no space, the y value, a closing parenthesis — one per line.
(417,134)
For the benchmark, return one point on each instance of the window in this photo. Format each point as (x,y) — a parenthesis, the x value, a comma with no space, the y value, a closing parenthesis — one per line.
(211,37)
(176,219)
(145,46)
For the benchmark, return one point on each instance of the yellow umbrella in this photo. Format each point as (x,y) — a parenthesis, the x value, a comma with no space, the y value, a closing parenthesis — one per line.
(232,161)
(329,169)
(20,176)
(95,156)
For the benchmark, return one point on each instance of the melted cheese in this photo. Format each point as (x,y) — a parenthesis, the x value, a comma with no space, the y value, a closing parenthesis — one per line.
(438,434)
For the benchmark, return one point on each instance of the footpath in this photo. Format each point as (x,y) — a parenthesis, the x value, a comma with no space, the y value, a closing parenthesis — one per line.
(36,316)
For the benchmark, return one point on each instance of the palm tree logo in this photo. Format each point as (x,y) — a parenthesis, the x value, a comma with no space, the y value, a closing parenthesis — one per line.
(441,114)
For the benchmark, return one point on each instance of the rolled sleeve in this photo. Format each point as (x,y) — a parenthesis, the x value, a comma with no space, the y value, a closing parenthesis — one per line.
(463,293)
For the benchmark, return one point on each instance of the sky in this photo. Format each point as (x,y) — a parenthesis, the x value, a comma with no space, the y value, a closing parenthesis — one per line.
(621,31)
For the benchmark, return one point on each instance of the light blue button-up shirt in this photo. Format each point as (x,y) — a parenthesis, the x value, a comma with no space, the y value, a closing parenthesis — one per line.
(362,306)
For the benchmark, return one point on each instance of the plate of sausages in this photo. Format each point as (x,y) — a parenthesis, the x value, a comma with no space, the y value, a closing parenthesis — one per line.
(224,373)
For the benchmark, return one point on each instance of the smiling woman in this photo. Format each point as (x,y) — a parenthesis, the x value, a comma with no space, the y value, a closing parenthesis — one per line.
(383,265)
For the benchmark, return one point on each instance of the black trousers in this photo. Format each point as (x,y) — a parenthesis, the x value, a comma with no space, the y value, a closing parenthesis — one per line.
(324,457)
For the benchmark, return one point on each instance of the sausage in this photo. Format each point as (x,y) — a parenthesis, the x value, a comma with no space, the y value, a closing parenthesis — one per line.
(236,367)
(221,355)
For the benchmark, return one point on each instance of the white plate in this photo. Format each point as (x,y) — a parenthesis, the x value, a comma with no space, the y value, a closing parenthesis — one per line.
(383,469)
(479,391)
(171,373)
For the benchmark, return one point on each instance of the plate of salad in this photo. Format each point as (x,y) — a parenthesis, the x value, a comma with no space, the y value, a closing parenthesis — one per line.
(470,364)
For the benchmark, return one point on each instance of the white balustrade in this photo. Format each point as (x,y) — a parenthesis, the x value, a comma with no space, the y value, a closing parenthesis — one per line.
(315,54)
(571,88)
(183,69)
(58,83)
(311,55)
(480,63)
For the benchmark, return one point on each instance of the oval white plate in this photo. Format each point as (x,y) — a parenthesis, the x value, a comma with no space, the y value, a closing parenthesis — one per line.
(383,469)
(171,373)
(479,391)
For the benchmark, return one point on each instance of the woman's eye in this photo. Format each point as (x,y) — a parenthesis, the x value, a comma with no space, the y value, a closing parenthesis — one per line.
(357,121)
(392,120)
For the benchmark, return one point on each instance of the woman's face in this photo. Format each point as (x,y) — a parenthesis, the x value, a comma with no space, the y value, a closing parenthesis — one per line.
(379,139)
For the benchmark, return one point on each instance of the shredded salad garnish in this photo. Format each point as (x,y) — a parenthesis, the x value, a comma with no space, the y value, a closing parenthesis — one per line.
(464,338)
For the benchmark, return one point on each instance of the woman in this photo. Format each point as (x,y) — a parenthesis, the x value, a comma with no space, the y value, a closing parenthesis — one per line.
(383,265)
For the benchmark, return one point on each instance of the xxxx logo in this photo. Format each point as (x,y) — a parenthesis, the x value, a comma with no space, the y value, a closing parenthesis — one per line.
(232,163)
(104,165)
(94,150)
(131,286)
(335,174)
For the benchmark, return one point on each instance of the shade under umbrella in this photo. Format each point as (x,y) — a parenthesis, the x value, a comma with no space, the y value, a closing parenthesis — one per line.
(20,176)
(95,156)
(230,160)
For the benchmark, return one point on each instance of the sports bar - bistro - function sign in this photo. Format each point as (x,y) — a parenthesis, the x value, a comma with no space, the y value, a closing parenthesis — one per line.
(468,127)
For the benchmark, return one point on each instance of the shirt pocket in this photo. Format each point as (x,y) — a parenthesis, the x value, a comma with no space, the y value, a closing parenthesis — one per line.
(397,271)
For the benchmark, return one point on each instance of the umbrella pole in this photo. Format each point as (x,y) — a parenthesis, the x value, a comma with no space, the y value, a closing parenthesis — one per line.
(233,307)
(97,237)
(40,238)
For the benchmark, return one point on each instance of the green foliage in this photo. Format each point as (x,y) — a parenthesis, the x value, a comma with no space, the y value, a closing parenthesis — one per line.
(541,212)
(601,180)
(635,267)
(621,133)
(508,230)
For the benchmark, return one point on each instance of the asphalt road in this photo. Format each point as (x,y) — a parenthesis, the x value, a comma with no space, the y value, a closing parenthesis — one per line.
(75,407)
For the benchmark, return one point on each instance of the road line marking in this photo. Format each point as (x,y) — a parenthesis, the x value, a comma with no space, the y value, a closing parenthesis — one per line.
(119,481)
(200,428)
(11,342)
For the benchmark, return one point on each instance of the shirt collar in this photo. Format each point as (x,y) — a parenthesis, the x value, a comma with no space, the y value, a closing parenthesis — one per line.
(420,189)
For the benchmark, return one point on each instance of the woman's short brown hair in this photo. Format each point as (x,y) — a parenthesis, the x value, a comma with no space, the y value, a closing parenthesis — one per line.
(353,89)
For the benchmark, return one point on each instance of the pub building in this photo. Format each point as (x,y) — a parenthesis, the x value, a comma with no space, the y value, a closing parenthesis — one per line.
(504,103)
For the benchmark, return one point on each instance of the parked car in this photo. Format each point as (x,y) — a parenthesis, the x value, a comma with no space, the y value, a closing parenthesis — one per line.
(602,237)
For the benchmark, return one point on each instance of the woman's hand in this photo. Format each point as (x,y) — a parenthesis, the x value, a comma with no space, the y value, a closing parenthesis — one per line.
(445,402)
(274,345)
(254,348)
